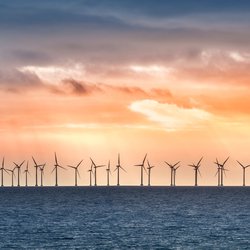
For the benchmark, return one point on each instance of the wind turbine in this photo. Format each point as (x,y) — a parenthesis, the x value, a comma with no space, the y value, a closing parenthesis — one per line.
(149,173)
(18,167)
(221,171)
(142,167)
(108,173)
(244,172)
(174,173)
(12,175)
(56,169)
(196,171)
(26,171)
(36,167)
(172,166)
(90,174)
(76,171)
(118,167)
(2,171)
(95,168)
(42,173)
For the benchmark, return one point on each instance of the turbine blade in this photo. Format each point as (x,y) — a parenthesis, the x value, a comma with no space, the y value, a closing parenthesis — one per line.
(53,170)
(6,170)
(92,162)
(21,164)
(225,161)
(144,158)
(78,173)
(118,159)
(62,167)
(3,163)
(56,159)
(176,164)
(241,164)
(123,169)
(34,160)
(79,164)
(199,172)
(168,164)
(199,161)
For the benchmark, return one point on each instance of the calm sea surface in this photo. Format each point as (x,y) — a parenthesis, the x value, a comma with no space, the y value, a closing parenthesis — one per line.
(125,217)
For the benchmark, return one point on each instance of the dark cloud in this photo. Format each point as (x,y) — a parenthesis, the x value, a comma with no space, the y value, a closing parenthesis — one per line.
(119,33)
(79,88)
(15,78)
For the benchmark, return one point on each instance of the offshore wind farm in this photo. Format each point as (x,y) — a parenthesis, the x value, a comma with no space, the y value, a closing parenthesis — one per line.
(124,124)
(145,172)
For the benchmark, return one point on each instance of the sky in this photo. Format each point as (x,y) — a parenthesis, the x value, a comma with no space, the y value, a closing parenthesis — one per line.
(88,78)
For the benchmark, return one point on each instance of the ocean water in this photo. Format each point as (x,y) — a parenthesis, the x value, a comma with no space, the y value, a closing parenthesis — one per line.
(125,218)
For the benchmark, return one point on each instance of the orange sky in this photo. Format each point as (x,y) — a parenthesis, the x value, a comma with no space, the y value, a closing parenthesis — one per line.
(174,86)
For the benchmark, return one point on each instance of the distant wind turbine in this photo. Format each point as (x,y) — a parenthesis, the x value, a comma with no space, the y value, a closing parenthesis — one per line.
(56,170)
(2,172)
(172,166)
(26,171)
(108,173)
(142,165)
(42,173)
(244,172)
(118,167)
(76,171)
(149,173)
(36,167)
(221,171)
(95,168)
(196,171)
(18,167)
(12,175)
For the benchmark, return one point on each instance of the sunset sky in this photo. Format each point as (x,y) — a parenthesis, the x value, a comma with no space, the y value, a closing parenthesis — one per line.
(94,78)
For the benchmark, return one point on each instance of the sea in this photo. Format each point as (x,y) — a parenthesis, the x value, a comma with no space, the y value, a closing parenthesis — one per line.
(125,218)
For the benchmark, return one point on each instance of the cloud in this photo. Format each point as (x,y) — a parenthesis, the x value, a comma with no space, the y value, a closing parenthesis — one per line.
(11,79)
(79,88)
(55,74)
(171,116)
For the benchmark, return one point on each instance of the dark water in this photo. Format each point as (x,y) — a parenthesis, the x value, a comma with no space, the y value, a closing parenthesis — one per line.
(125,217)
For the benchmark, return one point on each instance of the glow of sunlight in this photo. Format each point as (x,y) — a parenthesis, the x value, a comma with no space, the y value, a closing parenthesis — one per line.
(55,74)
(171,116)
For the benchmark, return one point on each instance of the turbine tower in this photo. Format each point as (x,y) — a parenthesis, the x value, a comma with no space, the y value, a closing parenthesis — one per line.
(149,173)
(172,166)
(2,172)
(244,172)
(142,165)
(18,167)
(108,173)
(36,167)
(76,171)
(118,167)
(221,171)
(26,171)
(218,172)
(196,171)
(174,173)
(90,174)
(42,173)
(56,170)
(95,168)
